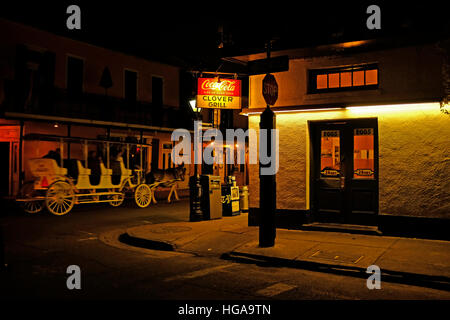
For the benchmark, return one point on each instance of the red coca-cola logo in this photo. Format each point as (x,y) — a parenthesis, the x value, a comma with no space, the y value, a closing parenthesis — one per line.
(210,86)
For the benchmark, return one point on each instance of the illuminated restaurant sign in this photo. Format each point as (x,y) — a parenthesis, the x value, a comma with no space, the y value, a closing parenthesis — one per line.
(219,94)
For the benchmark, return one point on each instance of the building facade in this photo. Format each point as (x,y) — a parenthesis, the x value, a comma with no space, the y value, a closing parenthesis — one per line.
(363,133)
(55,86)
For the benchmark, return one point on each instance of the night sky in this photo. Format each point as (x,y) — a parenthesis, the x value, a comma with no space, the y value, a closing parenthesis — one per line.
(186,33)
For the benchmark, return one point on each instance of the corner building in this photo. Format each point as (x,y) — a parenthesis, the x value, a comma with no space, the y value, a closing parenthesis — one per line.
(363,135)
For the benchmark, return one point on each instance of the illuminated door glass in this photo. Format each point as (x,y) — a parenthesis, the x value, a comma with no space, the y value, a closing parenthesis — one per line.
(330,159)
(363,157)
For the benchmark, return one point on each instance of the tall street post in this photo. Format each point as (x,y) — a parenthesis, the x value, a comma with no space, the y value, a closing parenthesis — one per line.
(267,182)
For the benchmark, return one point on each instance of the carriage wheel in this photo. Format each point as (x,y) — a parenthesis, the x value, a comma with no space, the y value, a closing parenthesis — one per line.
(32,206)
(60,198)
(116,200)
(142,195)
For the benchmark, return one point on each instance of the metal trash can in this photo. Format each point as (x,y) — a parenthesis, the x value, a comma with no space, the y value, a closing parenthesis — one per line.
(211,197)
(195,191)
(244,199)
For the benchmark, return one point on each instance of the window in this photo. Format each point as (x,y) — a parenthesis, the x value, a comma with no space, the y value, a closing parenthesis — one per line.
(330,154)
(346,78)
(157,91)
(130,86)
(74,76)
(166,153)
(363,156)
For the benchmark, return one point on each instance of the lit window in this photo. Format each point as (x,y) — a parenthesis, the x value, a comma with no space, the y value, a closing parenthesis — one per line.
(363,156)
(358,78)
(333,80)
(322,81)
(330,163)
(345,78)
(371,77)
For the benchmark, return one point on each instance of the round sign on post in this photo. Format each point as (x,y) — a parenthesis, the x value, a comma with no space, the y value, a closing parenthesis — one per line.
(270,89)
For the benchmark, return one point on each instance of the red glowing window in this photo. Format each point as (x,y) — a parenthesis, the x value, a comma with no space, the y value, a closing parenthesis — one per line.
(371,77)
(345,78)
(322,81)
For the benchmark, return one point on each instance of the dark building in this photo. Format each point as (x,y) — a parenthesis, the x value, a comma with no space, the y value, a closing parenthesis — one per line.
(53,85)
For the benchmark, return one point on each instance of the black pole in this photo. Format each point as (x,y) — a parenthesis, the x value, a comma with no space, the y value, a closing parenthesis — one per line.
(267,183)
(68,143)
(267,187)
(2,250)
(195,189)
(21,174)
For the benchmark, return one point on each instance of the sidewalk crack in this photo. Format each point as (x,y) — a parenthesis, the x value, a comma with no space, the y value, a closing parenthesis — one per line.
(389,247)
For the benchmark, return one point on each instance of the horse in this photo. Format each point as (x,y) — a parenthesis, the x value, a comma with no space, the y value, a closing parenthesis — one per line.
(166,178)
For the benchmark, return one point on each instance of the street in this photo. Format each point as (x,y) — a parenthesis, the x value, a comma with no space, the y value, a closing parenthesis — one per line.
(39,249)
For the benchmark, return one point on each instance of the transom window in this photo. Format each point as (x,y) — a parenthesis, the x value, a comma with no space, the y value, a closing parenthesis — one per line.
(344,78)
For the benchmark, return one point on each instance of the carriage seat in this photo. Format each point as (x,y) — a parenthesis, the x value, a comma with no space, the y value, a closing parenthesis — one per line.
(125,172)
(104,171)
(82,170)
(72,168)
(42,167)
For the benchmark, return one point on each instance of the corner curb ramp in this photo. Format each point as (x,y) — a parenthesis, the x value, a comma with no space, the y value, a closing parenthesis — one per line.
(146,243)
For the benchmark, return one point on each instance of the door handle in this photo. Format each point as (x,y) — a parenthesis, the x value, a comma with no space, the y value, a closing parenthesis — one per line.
(342,182)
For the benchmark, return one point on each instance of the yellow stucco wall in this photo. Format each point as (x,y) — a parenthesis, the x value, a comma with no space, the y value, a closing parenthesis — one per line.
(405,74)
(414,148)
(414,158)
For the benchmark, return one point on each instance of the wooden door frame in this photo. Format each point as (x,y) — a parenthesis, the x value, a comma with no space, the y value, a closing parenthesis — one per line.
(312,125)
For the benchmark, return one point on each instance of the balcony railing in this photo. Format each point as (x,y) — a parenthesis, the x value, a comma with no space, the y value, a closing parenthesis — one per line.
(58,102)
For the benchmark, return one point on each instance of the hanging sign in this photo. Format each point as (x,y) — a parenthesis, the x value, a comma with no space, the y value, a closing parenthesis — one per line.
(218,93)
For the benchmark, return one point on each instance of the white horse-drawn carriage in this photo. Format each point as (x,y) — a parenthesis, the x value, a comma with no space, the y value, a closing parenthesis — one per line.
(59,186)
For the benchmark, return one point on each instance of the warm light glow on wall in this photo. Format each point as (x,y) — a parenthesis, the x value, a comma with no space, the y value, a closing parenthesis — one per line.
(395,108)
(296,111)
(331,113)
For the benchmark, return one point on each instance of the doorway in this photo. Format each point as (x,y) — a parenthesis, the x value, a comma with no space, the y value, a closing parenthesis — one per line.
(344,171)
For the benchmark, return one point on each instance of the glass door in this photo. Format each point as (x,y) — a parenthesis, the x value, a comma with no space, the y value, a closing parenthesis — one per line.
(345,171)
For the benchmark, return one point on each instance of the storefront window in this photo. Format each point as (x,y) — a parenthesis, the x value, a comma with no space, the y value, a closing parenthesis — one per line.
(363,156)
(330,163)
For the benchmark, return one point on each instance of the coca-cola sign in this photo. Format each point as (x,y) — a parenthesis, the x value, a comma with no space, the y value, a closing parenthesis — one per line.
(219,94)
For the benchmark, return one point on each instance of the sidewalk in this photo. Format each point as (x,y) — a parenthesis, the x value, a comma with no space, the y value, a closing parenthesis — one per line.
(412,261)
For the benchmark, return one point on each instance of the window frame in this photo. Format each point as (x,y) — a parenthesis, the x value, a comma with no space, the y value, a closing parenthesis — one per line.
(162,88)
(125,70)
(72,56)
(313,73)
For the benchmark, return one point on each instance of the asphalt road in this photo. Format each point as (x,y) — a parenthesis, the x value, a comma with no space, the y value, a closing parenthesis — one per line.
(39,248)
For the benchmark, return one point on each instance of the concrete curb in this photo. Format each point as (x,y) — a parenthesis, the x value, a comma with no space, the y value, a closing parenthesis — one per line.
(146,243)
(435,282)
(400,260)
